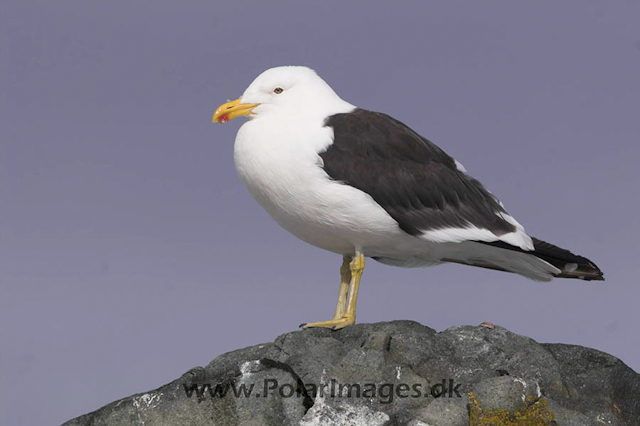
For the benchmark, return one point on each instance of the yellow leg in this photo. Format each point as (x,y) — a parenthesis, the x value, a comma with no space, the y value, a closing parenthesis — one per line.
(345,279)
(356,266)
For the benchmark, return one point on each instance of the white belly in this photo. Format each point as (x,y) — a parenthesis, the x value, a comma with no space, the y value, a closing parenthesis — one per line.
(284,175)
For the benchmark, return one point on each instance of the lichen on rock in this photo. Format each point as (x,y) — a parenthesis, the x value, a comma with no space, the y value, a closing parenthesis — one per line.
(534,412)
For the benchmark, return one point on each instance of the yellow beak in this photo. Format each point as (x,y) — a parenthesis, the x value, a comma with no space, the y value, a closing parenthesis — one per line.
(231,110)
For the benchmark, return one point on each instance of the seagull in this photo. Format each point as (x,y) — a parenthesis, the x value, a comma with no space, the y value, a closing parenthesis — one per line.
(361,183)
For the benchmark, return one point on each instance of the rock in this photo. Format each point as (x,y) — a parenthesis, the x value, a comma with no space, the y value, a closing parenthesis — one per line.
(507,392)
(390,373)
(444,411)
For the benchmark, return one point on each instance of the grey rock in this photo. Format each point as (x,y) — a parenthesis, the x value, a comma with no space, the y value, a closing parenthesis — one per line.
(505,392)
(389,373)
(444,412)
(565,417)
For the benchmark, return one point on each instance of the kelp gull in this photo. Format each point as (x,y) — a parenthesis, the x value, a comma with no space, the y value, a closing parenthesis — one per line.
(360,183)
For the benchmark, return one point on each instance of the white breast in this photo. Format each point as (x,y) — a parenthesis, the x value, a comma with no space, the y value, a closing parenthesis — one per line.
(279,164)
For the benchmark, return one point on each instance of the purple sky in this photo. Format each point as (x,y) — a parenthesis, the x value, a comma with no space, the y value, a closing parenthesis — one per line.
(130,252)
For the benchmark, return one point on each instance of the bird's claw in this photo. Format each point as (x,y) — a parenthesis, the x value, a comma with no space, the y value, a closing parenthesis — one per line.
(334,324)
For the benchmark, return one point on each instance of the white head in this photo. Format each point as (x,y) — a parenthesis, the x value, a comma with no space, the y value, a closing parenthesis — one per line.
(289,90)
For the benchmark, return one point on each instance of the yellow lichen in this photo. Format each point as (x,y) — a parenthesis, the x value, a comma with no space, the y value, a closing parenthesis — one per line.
(533,413)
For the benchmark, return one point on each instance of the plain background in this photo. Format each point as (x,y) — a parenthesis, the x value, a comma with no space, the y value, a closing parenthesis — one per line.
(130,252)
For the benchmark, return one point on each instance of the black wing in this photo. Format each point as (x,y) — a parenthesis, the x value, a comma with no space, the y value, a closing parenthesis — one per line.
(416,182)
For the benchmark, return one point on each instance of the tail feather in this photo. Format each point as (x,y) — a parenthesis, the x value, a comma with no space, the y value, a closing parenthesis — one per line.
(569,264)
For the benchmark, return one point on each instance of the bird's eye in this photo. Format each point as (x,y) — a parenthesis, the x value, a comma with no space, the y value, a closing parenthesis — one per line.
(278,90)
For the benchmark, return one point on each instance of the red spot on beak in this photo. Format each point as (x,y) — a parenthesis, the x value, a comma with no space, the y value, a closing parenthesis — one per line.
(223,118)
